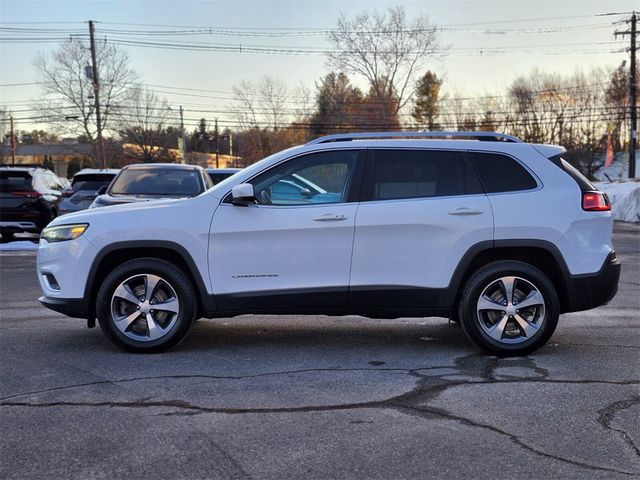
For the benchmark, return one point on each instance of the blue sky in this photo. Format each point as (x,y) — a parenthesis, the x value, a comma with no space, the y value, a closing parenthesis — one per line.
(561,29)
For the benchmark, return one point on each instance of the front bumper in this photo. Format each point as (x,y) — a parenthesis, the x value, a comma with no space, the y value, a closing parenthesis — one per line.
(594,289)
(72,307)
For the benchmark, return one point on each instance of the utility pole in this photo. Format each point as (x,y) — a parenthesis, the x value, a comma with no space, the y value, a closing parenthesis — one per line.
(96,94)
(217,145)
(632,95)
(184,140)
(13,144)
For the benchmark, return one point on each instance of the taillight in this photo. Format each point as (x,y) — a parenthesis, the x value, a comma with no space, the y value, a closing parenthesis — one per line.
(595,202)
(18,193)
(67,193)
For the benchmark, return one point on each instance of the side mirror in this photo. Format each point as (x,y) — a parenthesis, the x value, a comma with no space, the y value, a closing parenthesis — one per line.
(102,190)
(243,194)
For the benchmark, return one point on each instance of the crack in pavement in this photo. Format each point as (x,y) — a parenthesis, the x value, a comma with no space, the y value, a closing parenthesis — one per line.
(428,387)
(217,377)
(606,415)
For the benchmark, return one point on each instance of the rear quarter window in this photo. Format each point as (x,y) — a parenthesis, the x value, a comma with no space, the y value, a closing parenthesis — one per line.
(500,173)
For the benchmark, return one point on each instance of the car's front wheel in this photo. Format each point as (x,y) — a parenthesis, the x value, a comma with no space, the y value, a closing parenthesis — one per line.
(145,305)
(509,308)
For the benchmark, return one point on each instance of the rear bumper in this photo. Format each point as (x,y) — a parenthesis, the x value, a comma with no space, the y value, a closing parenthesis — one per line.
(72,307)
(592,290)
(18,226)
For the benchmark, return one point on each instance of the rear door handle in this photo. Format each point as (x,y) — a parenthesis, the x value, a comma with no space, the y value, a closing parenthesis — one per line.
(465,211)
(330,217)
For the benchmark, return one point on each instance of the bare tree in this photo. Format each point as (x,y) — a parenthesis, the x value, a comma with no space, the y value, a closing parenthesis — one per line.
(4,123)
(273,97)
(303,101)
(246,104)
(143,122)
(261,103)
(386,49)
(67,101)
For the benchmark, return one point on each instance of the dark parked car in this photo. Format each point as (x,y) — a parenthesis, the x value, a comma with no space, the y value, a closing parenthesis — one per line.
(153,181)
(219,174)
(29,199)
(84,189)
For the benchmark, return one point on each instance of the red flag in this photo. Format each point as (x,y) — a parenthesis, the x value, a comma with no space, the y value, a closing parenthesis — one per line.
(610,154)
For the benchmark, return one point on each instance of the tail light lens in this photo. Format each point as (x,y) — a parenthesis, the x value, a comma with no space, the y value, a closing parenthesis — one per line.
(19,193)
(68,193)
(595,202)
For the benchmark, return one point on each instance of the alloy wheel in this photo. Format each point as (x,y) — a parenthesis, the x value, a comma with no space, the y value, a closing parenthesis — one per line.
(144,307)
(511,310)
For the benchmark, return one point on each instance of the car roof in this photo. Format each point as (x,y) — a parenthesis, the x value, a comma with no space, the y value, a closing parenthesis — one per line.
(151,166)
(30,170)
(98,171)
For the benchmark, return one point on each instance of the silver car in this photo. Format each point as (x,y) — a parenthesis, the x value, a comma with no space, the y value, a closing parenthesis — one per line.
(84,189)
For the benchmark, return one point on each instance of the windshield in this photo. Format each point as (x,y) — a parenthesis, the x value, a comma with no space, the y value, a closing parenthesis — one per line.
(91,182)
(157,181)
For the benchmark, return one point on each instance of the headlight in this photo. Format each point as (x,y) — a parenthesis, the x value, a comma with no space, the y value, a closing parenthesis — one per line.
(61,233)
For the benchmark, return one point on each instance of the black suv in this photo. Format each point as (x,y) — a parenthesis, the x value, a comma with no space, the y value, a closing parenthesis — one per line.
(29,199)
(153,181)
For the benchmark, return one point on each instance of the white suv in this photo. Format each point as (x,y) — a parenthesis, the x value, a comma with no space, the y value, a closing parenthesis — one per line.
(499,235)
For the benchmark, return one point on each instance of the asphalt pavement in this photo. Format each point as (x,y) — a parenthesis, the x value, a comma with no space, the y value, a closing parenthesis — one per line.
(270,397)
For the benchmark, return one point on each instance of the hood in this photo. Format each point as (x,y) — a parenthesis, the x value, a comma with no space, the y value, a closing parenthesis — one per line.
(86,216)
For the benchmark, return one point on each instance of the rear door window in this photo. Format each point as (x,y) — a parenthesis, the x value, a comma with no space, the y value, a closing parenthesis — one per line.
(500,173)
(399,174)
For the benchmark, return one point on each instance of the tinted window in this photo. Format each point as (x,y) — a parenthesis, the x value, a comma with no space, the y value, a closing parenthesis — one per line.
(157,181)
(581,180)
(91,182)
(312,179)
(15,181)
(216,178)
(499,173)
(421,173)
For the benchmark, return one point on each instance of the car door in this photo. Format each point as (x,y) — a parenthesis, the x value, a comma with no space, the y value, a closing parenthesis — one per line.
(291,251)
(422,210)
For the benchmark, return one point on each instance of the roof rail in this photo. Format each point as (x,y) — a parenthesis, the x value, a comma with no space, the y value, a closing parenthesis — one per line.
(483,136)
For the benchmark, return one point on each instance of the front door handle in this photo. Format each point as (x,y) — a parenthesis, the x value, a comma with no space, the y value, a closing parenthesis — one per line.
(330,217)
(465,211)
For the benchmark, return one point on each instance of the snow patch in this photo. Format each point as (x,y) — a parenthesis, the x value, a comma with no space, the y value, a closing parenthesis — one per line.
(18,245)
(625,199)
(619,169)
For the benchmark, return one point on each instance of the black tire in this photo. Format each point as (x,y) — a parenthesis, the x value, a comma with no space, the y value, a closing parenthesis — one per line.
(173,285)
(528,282)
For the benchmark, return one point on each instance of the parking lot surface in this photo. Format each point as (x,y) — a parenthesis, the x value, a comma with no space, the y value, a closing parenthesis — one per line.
(318,397)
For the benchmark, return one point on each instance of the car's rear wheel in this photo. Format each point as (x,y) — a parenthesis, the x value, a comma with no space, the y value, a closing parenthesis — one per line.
(509,308)
(145,305)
